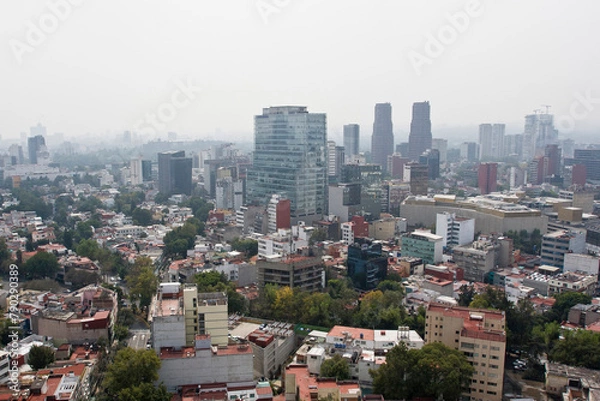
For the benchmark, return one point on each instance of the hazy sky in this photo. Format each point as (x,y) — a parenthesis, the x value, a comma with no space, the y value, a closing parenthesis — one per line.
(105,66)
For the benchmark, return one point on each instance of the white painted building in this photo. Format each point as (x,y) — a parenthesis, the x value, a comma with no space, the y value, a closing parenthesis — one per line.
(578,262)
(454,230)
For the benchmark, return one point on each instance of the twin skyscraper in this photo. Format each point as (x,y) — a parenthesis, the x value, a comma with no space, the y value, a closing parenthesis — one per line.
(382,141)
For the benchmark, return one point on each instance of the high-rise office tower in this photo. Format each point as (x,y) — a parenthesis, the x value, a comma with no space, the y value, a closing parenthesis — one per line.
(491,141)
(351,141)
(441,145)
(174,173)
(487,177)
(419,139)
(382,141)
(290,160)
(35,145)
(539,131)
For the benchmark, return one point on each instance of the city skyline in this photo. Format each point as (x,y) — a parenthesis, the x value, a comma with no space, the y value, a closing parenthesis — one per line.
(165,62)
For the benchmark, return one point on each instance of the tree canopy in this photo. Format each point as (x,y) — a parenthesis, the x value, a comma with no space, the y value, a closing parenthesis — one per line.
(40,265)
(337,367)
(434,371)
(40,357)
(130,369)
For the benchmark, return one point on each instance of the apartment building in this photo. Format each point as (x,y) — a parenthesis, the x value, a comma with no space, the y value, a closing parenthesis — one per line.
(480,335)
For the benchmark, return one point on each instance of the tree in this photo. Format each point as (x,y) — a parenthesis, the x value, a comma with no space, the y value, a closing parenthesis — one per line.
(435,371)
(465,297)
(145,392)
(40,357)
(248,246)
(317,236)
(130,369)
(579,348)
(142,282)
(335,367)
(40,265)
(142,217)
(564,302)
(88,248)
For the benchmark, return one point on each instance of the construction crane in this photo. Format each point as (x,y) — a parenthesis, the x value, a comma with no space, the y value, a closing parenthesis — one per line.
(547,106)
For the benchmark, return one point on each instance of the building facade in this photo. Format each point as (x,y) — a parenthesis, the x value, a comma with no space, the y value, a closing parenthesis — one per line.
(351,141)
(420,138)
(480,335)
(382,141)
(290,160)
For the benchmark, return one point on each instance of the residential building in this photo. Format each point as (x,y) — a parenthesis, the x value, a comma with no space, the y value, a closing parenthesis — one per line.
(335,161)
(424,245)
(454,230)
(487,177)
(396,163)
(271,347)
(468,151)
(480,335)
(301,385)
(290,160)
(419,138)
(178,313)
(278,213)
(539,131)
(583,263)
(558,243)
(84,316)
(382,140)
(491,141)
(477,259)
(293,271)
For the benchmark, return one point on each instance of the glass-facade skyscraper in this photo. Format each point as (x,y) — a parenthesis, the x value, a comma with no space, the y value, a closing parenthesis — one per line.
(290,160)
(351,140)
